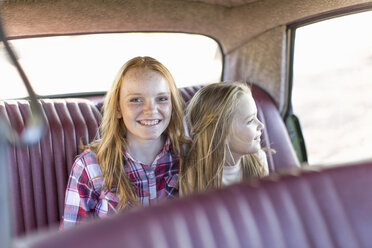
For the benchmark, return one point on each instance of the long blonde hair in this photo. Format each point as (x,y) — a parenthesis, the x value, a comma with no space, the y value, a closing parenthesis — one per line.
(209,115)
(109,149)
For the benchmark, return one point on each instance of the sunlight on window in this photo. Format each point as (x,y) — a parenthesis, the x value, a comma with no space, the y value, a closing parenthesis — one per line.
(332,86)
(89,63)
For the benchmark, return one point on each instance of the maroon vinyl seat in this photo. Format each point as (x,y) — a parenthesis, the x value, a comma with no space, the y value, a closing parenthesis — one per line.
(39,173)
(327,208)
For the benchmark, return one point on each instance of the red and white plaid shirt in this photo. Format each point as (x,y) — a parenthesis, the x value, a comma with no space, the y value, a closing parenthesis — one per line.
(87,197)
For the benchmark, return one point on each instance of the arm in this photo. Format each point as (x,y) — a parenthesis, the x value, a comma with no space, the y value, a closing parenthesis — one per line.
(80,198)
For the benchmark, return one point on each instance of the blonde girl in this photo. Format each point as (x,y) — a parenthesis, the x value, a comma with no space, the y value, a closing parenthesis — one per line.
(136,161)
(225,135)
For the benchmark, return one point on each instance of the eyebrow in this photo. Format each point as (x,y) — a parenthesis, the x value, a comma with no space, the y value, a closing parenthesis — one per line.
(140,94)
(251,115)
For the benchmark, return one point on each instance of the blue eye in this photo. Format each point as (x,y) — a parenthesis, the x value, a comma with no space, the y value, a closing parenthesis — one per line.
(250,121)
(135,100)
(163,99)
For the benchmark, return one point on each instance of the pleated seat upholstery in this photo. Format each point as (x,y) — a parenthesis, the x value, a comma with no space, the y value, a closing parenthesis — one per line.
(39,172)
(327,208)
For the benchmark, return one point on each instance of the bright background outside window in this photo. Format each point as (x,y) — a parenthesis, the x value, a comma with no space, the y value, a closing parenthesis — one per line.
(89,63)
(332,88)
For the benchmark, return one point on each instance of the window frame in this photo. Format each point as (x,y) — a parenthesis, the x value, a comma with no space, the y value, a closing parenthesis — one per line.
(290,119)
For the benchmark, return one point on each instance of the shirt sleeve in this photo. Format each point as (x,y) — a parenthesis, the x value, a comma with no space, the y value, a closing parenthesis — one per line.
(80,198)
(262,156)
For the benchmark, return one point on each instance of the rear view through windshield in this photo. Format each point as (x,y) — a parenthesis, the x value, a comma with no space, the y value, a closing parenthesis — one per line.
(89,63)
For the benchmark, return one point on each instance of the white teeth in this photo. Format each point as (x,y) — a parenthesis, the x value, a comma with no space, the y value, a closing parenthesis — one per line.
(149,123)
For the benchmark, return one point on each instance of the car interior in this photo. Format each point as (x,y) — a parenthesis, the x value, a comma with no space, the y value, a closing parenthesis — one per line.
(297,205)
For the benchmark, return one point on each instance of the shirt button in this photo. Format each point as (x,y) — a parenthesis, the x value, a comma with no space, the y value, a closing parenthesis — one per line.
(151,175)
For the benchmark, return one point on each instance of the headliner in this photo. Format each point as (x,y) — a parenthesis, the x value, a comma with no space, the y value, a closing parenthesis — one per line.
(231,26)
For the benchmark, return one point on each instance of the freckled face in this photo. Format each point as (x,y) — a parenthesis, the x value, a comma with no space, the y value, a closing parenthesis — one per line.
(245,133)
(145,104)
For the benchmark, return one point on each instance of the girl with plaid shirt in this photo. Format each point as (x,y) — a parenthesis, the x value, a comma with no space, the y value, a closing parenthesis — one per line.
(136,161)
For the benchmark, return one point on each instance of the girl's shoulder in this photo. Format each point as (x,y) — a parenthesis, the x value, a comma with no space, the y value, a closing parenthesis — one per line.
(87,155)
(86,163)
(263,158)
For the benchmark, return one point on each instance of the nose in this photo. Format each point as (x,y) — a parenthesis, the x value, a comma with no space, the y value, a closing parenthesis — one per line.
(150,107)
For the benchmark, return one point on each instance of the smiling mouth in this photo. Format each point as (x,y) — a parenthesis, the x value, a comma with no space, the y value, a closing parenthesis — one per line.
(149,122)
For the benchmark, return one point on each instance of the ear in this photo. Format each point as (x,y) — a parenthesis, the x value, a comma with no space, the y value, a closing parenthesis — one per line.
(118,114)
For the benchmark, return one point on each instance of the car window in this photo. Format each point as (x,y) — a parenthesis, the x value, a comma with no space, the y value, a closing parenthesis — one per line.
(89,63)
(332,87)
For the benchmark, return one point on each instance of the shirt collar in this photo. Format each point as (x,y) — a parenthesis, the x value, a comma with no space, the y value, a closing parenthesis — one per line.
(166,148)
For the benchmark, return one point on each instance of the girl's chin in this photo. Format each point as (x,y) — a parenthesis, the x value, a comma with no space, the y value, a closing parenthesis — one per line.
(255,149)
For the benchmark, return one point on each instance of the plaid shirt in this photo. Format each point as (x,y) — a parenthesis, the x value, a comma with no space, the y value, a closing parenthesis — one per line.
(86,195)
